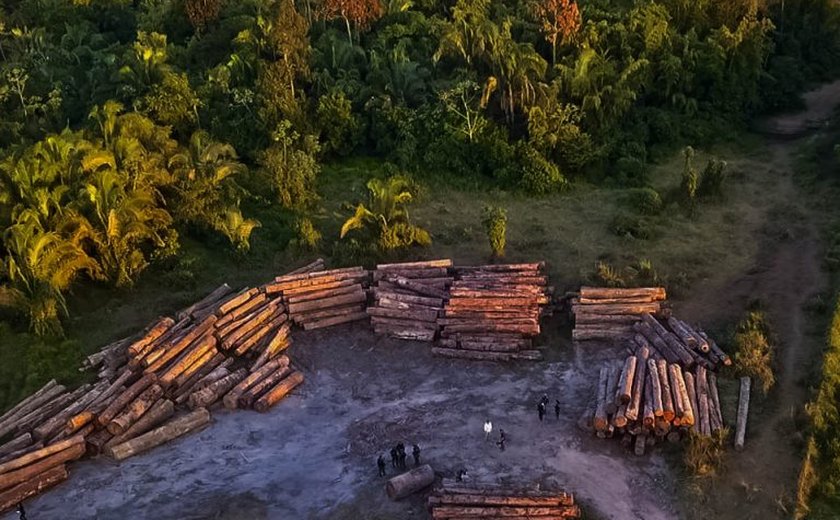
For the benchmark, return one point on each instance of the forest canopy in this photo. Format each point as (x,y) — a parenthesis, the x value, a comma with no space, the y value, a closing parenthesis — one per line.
(125,126)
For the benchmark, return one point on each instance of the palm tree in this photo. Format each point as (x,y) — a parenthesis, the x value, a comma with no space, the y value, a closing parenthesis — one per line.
(39,267)
(518,67)
(386,216)
(208,194)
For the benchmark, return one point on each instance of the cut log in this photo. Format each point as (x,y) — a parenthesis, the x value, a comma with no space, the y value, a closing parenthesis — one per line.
(217,363)
(612,385)
(405,301)
(625,381)
(328,273)
(688,411)
(214,297)
(259,327)
(208,361)
(57,422)
(158,414)
(430,315)
(254,304)
(424,264)
(331,312)
(331,290)
(416,287)
(634,407)
(278,392)
(39,415)
(196,352)
(316,265)
(617,308)
(135,410)
(35,402)
(655,388)
(32,487)
(241,298)
(691,389)
(743,412)
(470,354)
(656,293)
(648,416)
(313,279)
(96,441)
(605,319)
(650,335)
(193,336)
(278,342)
(668,412)
(336,320)
(173,429)
(601,417)
(426,335)
(723,356)
(214,391)
(490,498)
(345,299)
(410,482)
(156,330)
(397,323)
(715,400)
(16,444)
(231,399)
(247,399)
(702,401)
(22,474)
(122,400)
(512,513)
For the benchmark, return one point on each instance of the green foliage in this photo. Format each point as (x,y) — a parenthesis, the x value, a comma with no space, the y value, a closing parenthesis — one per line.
(689,182)
(754,349)
(340,128)
(712,179)
(539,175)
(291,165)
(494,220)
(632,226)
(704,456)
(385,220)
(172,102)
(646,201)
(308,237)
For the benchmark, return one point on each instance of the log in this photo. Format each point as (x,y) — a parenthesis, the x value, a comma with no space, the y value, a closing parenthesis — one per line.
(156,330)
(413,273)
(600,334)
(396,323)
(743,411)
(214,297)
(96,441)
(214,391)
(14,477)
(195,335)
(501,268)
(400,301)
(57,422)
(32,487)
(332,312)
(605,319)
(122,400)
(410,482)
(38,416)
(490,347)
(254,304)
(47,394)
(336,320)
(241,298)
(278,392)
(328,273)
(657,293)
(612,386)
(231,399)
(278,342)
(676,397)
(702,345)
(224,328)
(686,359)
(702,401)
(162,410)
(247,399)
(172,430)
(650,335)
(511,513)
(723,356)
(313,279)
(470,354)
(691,390)
(617,308)
(416,287)
(715,399)
(688,410)
(345,299)
(648,416)
(135,410)
(619,419)
(625,381)
(208,361)
(320,292)
(196,352)
(634,407)
(491,326)
(316,265)
(217,363)
(656,388)
(18,443)
(678,328)
(600,421)
(668,412)
(430,315)
(22,451)
(270,318)
(426,335)
(424,264)
(491,498)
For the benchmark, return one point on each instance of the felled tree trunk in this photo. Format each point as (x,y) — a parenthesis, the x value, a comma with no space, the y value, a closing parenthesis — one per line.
(743,412)
(278,392)
(410,482)
(34,486)
(172,430)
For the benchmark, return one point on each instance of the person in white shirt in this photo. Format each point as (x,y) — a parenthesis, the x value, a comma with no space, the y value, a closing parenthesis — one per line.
(488,429)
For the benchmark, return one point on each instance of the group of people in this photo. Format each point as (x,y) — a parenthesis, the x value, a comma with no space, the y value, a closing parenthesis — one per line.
(398,456)
(542,407)
(488,429)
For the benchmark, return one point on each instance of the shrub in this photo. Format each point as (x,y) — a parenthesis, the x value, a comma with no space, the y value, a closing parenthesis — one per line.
(608,275)
(712,179)
(495,223)
(539,175)
(688,184)
(341,130)
(646,201)
(632,226)
(754,349)
(630,171)
(308,237)
(704,456)
(291,165)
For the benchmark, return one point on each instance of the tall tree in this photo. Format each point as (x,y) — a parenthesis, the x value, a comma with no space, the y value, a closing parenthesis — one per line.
(360,12)
(559,21)
(202,12)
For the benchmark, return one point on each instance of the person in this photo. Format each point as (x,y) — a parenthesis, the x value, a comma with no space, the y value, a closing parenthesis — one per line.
(544,400)
(381,463)
(394,457)
(541,410)
(502,439)
(415,451)
(461,475)
(21,511)
(488,429)
(401,456)
(557,408)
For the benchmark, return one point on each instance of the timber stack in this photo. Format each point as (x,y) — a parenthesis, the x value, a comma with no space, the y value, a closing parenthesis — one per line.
(323,298)
(408,299)
(153,387)
(649,397)
(608,314)
(493,312)
(458,501)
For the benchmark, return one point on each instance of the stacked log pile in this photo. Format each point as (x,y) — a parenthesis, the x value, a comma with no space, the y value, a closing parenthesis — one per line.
(603,313)
(154,386)
(318,299)
(493,312)
(408,299)
(651,396)
(461,502)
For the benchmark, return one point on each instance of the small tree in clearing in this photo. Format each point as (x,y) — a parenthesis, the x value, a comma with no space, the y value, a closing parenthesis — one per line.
(495,223)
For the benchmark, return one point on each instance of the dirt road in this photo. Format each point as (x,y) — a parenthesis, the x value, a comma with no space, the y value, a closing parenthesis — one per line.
(313,456)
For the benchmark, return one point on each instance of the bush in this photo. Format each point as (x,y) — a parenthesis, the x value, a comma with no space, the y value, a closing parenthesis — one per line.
(292,167)
(632,226)
(495,223)
(539,175)
(712,179)
(646,201)
(308,237)
(754,349)
(341,130)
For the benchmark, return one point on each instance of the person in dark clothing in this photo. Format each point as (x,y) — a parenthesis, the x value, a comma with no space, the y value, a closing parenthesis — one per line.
(557,408)
(416,453)
(401,456)
(541,410)
(502,440)
(21,511)
(380,462)
(394,457)
(544,400)
(459,477)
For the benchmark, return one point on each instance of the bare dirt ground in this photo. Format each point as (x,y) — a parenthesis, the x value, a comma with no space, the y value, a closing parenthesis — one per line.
(819,104)
(313,456)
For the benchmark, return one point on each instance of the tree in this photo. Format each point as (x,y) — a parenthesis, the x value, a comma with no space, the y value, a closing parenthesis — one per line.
(291,165)
(207,192)
(559,21)
(385,219)
(202,12)
(495,224)
(689,182)
(471,34)
(39,268)
(462,103)
(361,12)
(517,68)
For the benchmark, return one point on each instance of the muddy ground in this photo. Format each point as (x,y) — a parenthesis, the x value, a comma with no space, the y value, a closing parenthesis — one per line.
(313,455)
